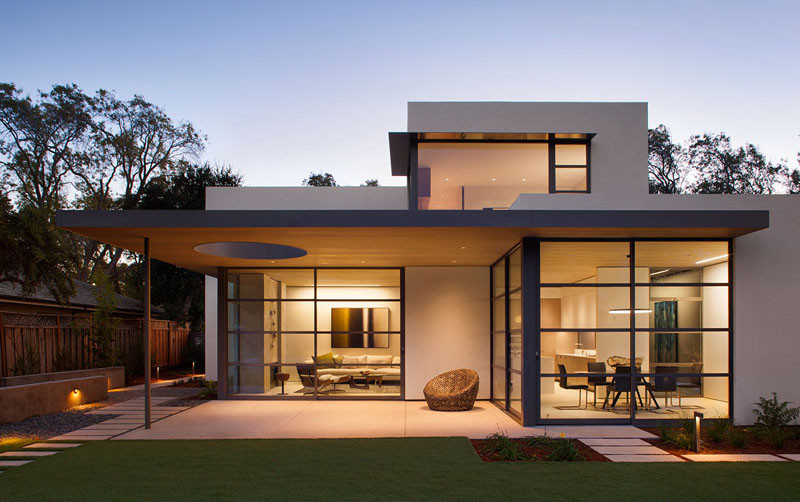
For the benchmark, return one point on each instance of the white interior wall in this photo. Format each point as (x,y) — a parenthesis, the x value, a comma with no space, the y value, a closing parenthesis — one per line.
(715,344)
(447,323)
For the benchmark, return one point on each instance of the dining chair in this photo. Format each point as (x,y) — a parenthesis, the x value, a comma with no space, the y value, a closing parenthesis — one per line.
(564,384)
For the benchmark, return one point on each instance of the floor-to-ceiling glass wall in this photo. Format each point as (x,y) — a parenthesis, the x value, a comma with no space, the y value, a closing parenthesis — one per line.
(506,332)
(633,329)
(295,333)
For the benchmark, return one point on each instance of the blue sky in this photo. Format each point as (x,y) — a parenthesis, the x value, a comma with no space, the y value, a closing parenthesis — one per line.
(284,88)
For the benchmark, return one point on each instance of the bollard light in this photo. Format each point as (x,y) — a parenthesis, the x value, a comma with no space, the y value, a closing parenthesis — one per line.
(157,372)
(697,417)
(192,367)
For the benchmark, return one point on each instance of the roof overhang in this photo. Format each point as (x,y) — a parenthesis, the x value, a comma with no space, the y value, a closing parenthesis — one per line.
(381,238)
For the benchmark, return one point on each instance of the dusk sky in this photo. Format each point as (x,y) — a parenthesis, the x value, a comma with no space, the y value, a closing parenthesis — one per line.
(284,88)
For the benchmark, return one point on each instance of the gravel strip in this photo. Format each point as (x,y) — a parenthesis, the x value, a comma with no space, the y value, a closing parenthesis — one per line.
(54,424)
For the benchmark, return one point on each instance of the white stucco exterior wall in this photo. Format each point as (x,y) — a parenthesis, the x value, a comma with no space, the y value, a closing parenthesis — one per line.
(293,198)
(211,328)
(447,325)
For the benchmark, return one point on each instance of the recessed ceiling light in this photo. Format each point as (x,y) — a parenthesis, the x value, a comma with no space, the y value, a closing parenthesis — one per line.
(454,261)
(447,179)
(524,179)
(362,261)
(711,259)
(494,179)
(463,247)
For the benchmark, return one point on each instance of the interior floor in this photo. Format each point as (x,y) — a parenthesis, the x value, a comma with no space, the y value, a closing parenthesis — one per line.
(293,390)
(711,408)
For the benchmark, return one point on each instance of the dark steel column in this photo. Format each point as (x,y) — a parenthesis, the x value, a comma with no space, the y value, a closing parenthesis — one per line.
(531,334)
(146,333)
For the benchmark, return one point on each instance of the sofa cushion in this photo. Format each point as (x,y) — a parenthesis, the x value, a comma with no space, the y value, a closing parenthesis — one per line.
(350,360)
(379,360)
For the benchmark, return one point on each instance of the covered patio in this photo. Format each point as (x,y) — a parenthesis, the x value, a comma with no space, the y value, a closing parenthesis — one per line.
(239,419)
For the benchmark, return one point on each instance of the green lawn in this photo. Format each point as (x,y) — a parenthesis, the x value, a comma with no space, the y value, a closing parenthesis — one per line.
(369,469)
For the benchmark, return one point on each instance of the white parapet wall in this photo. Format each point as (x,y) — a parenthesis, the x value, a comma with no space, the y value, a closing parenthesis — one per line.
(300,198)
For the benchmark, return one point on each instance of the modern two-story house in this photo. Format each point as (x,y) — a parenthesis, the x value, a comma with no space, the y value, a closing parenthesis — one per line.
(524,245)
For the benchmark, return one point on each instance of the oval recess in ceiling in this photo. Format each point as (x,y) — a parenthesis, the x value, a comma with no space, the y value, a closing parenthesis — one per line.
(250,250)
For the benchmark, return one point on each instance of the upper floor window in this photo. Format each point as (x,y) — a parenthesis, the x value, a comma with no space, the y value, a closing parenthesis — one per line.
(491,170)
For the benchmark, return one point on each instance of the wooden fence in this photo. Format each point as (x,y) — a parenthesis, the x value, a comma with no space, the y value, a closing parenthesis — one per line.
(41,343)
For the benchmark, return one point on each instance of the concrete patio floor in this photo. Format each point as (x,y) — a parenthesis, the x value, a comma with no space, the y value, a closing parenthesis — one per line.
(352,419)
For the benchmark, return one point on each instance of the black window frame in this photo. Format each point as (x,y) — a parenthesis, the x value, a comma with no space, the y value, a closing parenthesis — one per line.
(223,332)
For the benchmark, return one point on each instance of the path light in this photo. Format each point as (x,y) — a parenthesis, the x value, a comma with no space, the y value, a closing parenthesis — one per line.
(158,368)
(192,368)
(697,417)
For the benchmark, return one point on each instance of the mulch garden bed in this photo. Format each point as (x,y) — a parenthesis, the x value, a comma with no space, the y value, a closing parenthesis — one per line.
(754,444)
(533,453)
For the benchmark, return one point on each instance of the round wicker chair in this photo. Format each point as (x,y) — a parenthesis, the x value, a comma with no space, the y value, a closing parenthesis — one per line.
(453,390)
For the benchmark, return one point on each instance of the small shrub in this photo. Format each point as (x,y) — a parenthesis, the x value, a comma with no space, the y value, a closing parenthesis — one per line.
(738,438)
(772,418)
(771,413)
(680,437)
(499,445)
(29,362)
(564,450)
(544,442)
(209,389)
(719,431)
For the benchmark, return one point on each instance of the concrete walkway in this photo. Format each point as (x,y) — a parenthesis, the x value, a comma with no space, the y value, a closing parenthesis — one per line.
(130,417)
(352,419)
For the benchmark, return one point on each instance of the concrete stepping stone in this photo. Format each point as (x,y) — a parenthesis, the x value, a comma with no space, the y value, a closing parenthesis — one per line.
(643,458)
(791,456)
(733,457)
(79,437)
(629,450)
(31,453)
(54,446)
(614,442)
(14,463)
(109,427)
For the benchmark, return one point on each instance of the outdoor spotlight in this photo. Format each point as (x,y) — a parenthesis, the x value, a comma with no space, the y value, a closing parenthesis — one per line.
(75,391)
(697,417)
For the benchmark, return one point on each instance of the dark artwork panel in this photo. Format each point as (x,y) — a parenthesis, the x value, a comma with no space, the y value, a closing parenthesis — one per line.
(666,316)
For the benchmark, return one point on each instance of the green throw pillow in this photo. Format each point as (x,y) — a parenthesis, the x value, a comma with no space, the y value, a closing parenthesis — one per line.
(324,359)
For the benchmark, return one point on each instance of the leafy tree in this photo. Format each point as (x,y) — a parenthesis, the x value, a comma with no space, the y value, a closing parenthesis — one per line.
(42,143)
(137,141)
(666,163)
(104,325)
(794,178)
(33,254)
(179,291)
(724,169)
(320,180)
(370,183)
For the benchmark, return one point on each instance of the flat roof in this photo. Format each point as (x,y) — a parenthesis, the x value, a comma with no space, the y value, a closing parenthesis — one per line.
(386,238)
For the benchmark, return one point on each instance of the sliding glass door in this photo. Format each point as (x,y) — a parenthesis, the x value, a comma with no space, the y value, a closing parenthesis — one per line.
(506,332)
